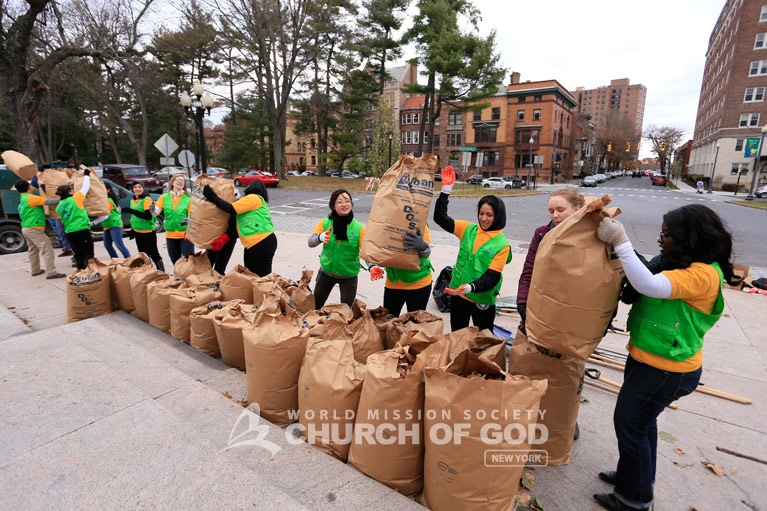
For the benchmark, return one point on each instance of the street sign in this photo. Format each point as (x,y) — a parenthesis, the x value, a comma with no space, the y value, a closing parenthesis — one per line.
(467,148)
(752,147)
(166,145)
(186,158)
(169,162)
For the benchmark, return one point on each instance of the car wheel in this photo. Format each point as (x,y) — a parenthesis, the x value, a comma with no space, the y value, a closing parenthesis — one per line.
(487,186)
(236,182)
(11,239)
(763,195)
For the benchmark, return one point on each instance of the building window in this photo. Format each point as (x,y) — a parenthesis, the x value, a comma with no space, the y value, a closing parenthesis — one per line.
(521,99)
(314,161)
(739,167)
(759,42)
(763,15)
(415,137)
(536,115)
(408,137)
(416,118)
(435,142)
(496,114)
(520,115)
(758,67)
(454,119)
(477,116)
(754,94)
(739,144)
(436,120)
(537,97)
(749,120)
(484,134)
(491,159)
(453,139)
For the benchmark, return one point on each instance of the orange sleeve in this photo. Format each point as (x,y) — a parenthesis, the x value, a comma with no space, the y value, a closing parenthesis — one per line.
(36,201)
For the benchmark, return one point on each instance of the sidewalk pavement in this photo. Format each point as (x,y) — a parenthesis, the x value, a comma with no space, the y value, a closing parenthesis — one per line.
(110,413)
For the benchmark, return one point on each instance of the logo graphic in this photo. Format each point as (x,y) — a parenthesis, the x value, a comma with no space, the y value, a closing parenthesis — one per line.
(262,430)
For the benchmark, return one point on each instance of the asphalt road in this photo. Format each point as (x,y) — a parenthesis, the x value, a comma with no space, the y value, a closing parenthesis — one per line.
(642,206)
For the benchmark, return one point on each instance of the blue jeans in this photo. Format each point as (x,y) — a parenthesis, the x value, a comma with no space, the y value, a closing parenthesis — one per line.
(645,393)
(178,248)
(114,235)
(58,228)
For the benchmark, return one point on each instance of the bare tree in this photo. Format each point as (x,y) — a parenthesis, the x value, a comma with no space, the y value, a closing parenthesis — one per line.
(664,140)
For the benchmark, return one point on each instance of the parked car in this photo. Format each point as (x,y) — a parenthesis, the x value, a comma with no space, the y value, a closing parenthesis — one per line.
(218,172)
(600,178)
(761,192)
(636,173)
(308,173)
(292,173)
(589,181)
(125,173)
(496,182)
(164,173)
(346,174)
(475,180)
(269,180)
(659,179)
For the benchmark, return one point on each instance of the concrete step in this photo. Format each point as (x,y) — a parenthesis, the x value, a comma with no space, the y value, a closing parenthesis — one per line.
(114,405)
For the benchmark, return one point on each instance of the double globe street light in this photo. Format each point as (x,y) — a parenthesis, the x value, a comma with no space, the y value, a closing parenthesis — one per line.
(200,102)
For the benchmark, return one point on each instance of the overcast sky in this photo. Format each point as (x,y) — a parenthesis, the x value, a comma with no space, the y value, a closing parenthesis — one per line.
(659,43)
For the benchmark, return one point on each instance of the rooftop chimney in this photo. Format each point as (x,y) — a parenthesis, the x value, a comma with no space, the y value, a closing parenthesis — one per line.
(515,77)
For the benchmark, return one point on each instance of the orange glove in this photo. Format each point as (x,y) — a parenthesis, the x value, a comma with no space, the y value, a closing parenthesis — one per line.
(463,289)
(325,236)
(448,178)
(376,273)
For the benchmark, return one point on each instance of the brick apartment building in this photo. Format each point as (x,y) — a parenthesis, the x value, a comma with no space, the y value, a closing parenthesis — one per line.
(731,108)
(619,95)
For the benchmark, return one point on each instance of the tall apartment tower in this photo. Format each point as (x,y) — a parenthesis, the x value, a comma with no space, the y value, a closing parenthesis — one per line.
(731,108)
(619,95)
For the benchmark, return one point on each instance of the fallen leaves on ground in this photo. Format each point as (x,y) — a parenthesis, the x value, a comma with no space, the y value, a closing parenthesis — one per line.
(682,464)
(713,467)
(523,499)
(679,451)
(528,480)
(734,470)
(536,504)
(667,437)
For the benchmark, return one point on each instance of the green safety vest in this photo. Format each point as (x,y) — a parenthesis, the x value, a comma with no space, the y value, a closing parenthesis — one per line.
(31,216)
(410,276)
(671,328)
(173,217)
(257,221)
(342,258)
(470,267)
(137,223)
(73,217)
(115,217)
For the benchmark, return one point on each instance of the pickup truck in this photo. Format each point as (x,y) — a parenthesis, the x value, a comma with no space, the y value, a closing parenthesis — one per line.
(11,239)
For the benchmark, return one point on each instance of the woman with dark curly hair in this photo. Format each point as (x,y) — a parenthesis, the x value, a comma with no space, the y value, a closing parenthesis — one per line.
(675,309)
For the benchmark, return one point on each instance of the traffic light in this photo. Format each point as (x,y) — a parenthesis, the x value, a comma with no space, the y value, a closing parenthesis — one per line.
(628,146)
(610,147)
(662,145)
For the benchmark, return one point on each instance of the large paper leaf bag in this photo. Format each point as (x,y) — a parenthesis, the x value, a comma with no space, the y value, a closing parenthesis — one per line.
(401,204)
(206,221)
(575,284)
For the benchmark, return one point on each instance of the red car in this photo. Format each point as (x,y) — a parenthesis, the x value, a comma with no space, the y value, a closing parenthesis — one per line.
(658,179)
(269,180)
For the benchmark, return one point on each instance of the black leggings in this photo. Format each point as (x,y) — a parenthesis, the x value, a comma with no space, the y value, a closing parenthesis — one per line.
(146,242)
(416,299)
(463,310)
(259,257)
(324,284)
(82,246)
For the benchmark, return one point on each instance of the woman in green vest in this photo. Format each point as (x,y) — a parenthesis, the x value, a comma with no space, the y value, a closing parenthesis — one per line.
(408,287)
(341,238)
(174,206)
(667,323)
(254,225)
(74,216)
(142,224)
(482,256)
(113,226)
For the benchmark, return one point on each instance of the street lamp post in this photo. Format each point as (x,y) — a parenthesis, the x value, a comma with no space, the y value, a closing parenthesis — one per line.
(198,105)
(391,135)
(757,165)
(553,156)
(530,163)
(713,171)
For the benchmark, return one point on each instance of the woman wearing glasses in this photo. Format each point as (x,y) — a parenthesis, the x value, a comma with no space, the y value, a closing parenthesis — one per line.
(677,306)
(341,238)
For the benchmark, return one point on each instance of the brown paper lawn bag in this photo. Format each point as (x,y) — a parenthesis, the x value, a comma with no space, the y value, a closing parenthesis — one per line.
(139,280)
(206,221)
(121,270)
(474,411)
(575,284)
(418,320)
(192,264)
(234,318)
(401,204)
(158,302)
(88,292)
(202,328)
(20,164)
(329,389)
(96,202)
(182,301)
(237,284)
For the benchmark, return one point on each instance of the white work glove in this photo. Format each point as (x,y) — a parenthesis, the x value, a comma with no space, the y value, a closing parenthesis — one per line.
(460,290)
(325,236)
(612,231)
(448,178)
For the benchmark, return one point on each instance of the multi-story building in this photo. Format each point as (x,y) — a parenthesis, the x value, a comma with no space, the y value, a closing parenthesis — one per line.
(732,115)
(620,95)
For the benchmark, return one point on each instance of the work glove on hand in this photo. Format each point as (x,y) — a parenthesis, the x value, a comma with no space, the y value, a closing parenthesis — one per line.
(612,231)
(87,172)
(325,236)
(185,221)
(218,243)
(414,241)
(95,224)
(463,289)
(448,178)
(376,272)
(522,310)
(208,193)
